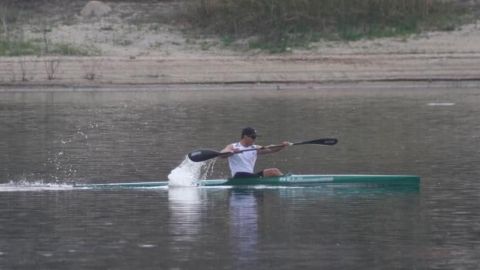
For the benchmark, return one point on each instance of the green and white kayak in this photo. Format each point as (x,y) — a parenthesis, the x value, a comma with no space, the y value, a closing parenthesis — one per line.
(287,180)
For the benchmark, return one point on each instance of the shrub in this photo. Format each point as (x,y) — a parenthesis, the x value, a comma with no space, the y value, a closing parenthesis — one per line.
(294,22)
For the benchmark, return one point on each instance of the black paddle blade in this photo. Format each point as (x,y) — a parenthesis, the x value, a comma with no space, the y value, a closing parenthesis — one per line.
(326,141)
(202,155)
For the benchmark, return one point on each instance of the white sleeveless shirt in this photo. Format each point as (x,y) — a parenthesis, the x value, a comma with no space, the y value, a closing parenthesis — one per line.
(242,162)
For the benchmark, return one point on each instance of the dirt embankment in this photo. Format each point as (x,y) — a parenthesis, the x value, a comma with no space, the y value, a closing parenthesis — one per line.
(139,45)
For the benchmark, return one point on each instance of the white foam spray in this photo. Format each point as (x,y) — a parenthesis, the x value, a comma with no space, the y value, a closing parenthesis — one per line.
(25,185)
(188,172)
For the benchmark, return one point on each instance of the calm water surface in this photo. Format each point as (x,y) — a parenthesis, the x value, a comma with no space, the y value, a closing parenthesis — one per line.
(50,139)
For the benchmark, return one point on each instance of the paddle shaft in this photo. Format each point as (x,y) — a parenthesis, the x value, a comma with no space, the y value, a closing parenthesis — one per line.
(253,149)
(320,141)
(202,155)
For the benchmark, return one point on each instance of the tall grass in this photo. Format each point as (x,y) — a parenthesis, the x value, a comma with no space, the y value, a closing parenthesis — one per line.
(288,22)
(18,48)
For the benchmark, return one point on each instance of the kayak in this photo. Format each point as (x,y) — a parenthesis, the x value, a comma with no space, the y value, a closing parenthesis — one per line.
(286,180)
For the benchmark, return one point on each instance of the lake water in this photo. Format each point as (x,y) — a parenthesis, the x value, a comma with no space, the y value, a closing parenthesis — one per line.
(50,139)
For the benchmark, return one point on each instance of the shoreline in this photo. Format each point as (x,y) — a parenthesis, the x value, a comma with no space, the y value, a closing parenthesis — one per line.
(107,72)
(279,87)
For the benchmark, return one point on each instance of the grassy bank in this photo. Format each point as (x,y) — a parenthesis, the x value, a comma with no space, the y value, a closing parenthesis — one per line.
(48,27)
(15,15)
(35,48)
(277,25)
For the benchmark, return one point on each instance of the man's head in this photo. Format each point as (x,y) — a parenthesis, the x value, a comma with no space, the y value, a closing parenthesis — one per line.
(249,132)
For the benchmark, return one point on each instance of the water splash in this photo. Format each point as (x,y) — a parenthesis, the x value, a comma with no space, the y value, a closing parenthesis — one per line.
(61,166)
(188,172)
(22,186)
(59,163)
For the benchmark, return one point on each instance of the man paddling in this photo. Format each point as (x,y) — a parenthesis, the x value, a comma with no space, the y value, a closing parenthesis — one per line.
(242,164)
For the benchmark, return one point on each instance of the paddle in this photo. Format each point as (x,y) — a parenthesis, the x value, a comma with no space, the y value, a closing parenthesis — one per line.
(202,155)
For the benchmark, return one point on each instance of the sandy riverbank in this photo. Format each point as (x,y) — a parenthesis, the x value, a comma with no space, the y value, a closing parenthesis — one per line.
(165,55)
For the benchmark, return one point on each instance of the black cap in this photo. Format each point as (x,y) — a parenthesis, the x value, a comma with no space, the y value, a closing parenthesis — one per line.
(250,132)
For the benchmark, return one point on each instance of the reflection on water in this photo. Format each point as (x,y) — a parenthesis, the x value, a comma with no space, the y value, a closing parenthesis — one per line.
(48,139)
(244,232)
(184,205)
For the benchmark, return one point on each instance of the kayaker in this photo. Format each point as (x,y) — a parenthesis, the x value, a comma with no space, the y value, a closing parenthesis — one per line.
(242,164)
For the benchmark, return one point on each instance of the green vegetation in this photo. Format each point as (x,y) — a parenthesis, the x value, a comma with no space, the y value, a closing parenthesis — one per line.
(70,49)
(279,24)
(14,43)
(20,48)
